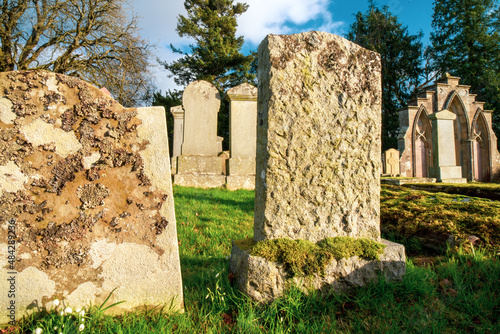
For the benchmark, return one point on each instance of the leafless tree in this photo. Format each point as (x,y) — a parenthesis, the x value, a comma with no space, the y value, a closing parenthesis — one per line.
(93,39)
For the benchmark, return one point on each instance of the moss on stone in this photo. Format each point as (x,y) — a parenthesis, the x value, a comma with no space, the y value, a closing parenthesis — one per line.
(302,257)
(345,247)
(245,244)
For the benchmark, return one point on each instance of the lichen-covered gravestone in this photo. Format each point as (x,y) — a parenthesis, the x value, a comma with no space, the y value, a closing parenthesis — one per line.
(318,160)
(86,202)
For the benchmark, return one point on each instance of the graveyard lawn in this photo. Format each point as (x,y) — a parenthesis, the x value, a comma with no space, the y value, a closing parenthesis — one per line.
(452,292)
(434,221)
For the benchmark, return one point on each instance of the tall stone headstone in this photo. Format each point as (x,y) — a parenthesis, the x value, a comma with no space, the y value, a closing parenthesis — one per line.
(198,165)
(85,207)
(178,114)
(318,139)
(318,158)
(445,167)
(391,162)
(243,136)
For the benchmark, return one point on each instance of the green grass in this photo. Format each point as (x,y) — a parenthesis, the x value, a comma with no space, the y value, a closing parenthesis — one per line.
(452,292)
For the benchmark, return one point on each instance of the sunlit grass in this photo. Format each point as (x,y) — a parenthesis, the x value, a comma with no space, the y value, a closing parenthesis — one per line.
(453,292)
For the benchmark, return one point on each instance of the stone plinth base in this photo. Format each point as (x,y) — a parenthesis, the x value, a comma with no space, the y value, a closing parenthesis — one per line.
(234,182)
(200,180)
(446,172)
(398,182)
(241,166)
(197,164)
(265,281)
(457,180)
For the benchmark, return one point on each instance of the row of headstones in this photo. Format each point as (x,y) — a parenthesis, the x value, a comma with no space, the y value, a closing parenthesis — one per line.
(196,156)
(87,202)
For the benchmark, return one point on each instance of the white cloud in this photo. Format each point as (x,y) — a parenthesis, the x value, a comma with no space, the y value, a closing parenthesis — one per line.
(158,21)
(282,17)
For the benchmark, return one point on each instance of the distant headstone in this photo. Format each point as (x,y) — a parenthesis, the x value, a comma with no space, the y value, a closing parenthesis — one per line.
(243,136)
(198,165)
(318,159)
(391,162)
(85,207)
(445,167)
(178,114)
(201,104)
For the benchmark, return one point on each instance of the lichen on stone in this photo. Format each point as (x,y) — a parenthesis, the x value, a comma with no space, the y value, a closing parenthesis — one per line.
(92,195)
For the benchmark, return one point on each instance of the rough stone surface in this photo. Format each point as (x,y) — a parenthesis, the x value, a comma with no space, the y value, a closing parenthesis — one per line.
(83,181)
(264,281)
(318,138)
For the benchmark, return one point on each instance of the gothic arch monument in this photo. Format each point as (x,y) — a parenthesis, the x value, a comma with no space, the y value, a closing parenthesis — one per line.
(473,141)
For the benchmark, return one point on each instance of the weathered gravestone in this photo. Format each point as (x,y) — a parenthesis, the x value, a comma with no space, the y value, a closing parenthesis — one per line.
(391,162)
(318,161)
(243,134)
(198,165)
(86,202)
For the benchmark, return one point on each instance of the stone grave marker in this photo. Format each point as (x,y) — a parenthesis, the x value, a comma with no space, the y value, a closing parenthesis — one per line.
(318,160)
(178,114)
(198,165)
(391,162)
(243,137)
(445,167)
(86,204)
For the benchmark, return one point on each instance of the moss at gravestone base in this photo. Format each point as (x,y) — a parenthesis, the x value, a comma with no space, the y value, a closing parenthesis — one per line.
(303,257)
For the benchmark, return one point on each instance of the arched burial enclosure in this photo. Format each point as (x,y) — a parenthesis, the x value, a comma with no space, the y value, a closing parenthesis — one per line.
(471,137)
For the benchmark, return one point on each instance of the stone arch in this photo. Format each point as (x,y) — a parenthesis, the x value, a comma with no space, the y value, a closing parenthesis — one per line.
(421,143)
(481,141)
(461,126)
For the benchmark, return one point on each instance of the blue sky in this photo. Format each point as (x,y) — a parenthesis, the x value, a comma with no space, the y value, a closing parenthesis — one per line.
(158,19)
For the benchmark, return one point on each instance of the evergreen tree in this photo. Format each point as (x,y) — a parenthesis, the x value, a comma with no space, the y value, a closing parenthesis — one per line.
(96,40)
(378,30)
(466,43)
(216,56)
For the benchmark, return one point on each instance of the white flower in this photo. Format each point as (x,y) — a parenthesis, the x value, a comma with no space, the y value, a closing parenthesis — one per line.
(78,310)
(217,275)
(61,313)
(68,310)
(56,302)
(82,313)
(38,331)
(55,328)
(81,327)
